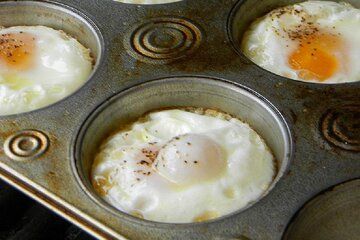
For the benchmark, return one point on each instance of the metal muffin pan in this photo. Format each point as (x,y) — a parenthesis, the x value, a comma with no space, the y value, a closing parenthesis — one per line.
(196,39)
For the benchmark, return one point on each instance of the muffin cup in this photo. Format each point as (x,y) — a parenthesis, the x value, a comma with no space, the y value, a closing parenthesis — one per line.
(59,17)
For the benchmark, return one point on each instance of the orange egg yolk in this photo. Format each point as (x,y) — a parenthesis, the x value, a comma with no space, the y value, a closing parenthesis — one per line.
(17,50)
(316,57)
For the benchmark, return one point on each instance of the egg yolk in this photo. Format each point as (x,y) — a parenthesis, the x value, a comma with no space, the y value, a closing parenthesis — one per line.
(190,159)
(17,50)
(316,57)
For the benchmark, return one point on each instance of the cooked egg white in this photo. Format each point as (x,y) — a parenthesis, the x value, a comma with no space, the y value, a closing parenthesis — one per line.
(178,166)
(39,66)
(315,41)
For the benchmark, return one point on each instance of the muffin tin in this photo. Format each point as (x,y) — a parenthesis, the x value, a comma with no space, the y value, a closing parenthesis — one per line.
(178,54)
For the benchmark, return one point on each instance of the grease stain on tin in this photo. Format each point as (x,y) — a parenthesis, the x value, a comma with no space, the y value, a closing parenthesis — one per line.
(26,145)
(341,127)
(163,40)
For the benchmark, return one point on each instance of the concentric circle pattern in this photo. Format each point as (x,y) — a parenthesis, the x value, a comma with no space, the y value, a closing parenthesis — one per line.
(341,127)
(26,145)
(163,40)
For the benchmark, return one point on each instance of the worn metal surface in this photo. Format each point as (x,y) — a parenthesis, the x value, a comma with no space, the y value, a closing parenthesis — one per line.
(340,126)
(127,41)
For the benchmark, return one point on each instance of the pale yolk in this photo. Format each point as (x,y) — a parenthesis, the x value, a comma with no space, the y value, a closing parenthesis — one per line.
(17,50)
(315,58)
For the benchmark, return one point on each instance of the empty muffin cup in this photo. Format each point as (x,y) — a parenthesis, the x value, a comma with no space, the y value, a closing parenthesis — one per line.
(178,93)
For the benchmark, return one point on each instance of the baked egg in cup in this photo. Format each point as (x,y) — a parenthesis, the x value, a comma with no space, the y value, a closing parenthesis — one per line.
(182,150)
(48,51)
(147,1)
(309,41)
